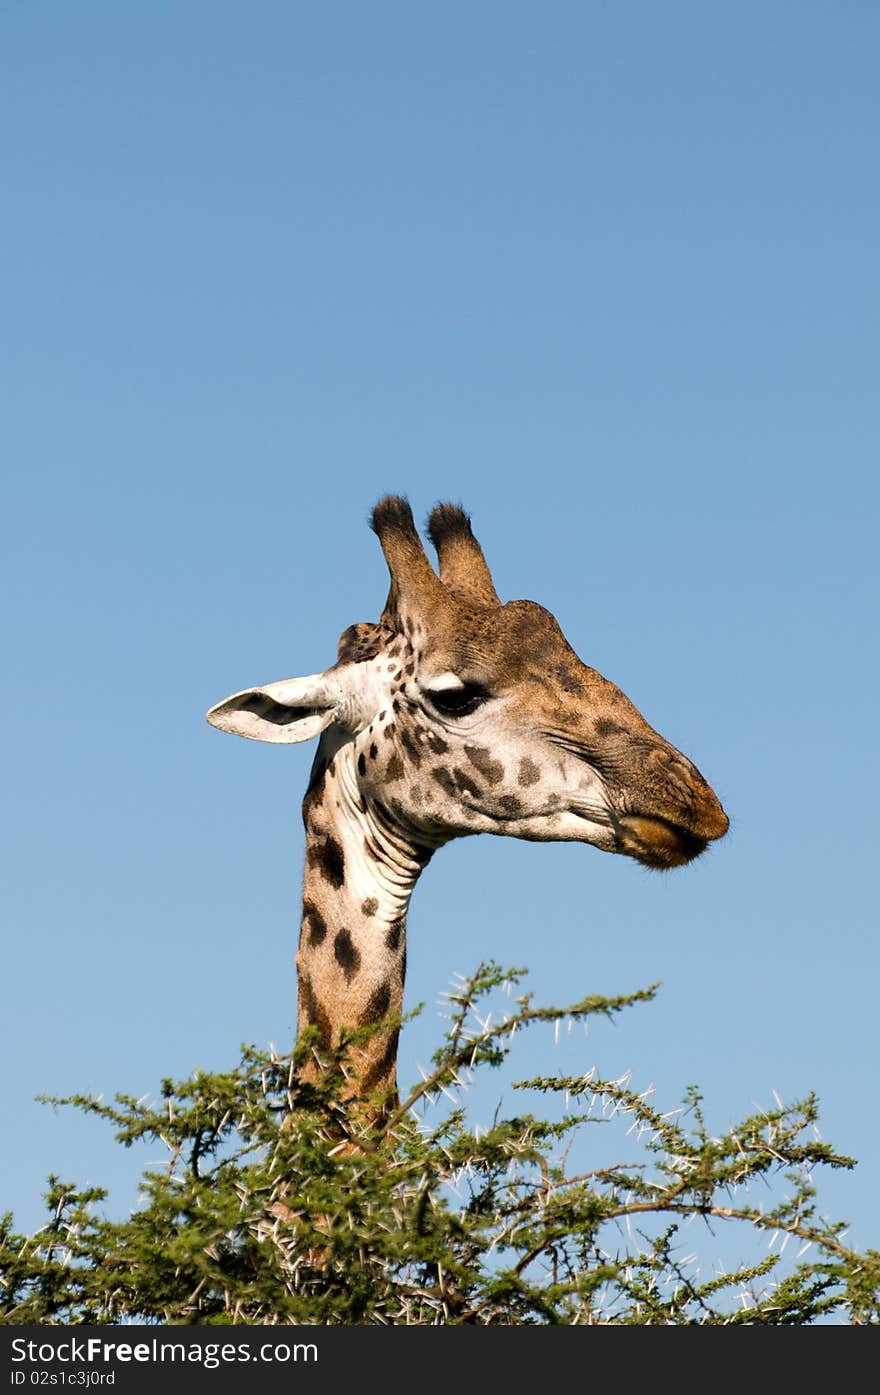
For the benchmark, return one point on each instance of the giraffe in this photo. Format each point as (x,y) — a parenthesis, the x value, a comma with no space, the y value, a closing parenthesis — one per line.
(454,714)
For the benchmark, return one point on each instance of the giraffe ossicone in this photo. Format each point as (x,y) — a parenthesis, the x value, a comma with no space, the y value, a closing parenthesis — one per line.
(453,714)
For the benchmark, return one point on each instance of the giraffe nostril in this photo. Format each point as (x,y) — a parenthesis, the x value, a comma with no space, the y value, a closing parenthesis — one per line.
(675,774)
(661,755)
(704,814)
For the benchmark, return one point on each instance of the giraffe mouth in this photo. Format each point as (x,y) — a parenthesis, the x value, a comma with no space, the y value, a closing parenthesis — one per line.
(657,842)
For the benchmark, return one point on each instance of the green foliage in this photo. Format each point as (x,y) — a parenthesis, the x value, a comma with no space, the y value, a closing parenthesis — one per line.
(284,1201)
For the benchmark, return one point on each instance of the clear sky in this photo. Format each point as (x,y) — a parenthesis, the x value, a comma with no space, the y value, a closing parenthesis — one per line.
(608,276)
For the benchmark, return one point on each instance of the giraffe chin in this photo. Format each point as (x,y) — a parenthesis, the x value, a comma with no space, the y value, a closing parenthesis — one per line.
(657,843)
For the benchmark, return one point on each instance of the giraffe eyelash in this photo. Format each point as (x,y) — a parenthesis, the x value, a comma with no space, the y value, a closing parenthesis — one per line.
(458,702)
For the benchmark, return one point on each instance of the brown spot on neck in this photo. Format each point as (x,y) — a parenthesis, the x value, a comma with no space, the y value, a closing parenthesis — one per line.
(313,924)
(377,1007)
(383,1066)
(313,1012)
(346,953)
(326,854)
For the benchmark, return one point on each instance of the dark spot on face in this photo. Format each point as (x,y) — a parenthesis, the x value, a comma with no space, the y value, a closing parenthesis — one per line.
(529,774)
(326,854)
(395,935)
(394,769)
(377,1007)
(347,956)
(362,764)
(379,1071)
(381,717)
(374,751)
(313,924)
(395,705)
(389,731)
(465,783)
(491,770)
(444,779)
(437,744)
(411,745)
(606,727)
(510,804)
(410,669)
(370,906)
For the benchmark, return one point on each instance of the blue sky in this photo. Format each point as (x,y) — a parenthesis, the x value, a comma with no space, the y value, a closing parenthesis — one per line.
(606,275)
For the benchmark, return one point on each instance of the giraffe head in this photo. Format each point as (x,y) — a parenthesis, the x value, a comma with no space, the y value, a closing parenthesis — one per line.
(461,715)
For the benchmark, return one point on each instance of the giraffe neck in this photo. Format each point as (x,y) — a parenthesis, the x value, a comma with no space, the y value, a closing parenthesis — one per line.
(361,867)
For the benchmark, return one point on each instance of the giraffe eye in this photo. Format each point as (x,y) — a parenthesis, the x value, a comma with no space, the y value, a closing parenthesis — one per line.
(458,702)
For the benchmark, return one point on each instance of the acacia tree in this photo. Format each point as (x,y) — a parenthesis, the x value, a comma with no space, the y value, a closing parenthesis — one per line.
(283,1200)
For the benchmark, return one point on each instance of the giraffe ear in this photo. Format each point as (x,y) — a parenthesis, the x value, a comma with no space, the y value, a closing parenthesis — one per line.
(294,710)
